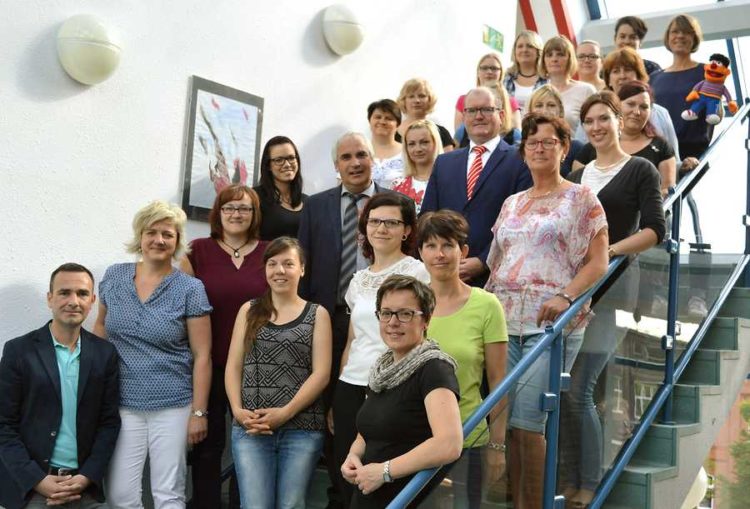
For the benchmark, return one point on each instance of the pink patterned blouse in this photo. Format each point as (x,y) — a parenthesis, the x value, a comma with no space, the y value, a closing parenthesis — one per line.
(539,246)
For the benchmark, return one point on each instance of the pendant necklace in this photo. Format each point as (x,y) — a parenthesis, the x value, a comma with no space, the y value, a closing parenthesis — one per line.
(235,249)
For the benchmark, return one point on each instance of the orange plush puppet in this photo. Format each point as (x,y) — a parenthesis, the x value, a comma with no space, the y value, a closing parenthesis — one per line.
(707,94)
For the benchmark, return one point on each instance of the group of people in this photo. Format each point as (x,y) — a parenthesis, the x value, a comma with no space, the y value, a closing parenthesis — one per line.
(363,323)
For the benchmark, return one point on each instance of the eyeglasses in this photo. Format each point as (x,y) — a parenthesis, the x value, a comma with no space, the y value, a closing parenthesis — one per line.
(487,110)
(489,68)
(591,56)
(279,161)
(375,222)
(403,315)
(547,144)
(242,209)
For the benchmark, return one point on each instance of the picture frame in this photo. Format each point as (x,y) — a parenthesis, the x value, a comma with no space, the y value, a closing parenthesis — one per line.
(222,144)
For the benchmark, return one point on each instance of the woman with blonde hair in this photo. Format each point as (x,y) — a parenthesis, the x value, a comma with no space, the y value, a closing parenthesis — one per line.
(558,65)
(489,74)
(420,149)
(417,100)
(158,319)
(547,101)
(589,55)
(523,77)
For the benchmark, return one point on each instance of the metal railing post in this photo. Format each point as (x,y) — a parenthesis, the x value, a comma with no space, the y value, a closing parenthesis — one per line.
(746,219)
(550,403)
(673,247)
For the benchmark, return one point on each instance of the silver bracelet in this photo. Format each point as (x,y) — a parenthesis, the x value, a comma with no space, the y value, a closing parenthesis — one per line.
(496,446)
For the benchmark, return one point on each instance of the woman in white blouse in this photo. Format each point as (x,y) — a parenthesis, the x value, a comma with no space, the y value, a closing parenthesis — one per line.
(386,227)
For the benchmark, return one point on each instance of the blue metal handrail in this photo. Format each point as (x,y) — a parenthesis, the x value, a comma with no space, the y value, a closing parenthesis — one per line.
(691,178)
(662,394)
(672,372)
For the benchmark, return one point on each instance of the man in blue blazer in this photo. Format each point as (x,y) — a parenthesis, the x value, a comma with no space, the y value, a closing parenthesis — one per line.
(320,236)
(501,174)
(59,404)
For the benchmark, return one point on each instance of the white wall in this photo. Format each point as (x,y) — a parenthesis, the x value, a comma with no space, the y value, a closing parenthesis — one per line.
(77,162)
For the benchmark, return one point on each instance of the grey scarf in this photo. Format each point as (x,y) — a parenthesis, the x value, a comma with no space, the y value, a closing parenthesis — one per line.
(387,374)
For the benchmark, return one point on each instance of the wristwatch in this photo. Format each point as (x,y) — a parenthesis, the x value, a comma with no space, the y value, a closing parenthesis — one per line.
(200,413)
(387,472)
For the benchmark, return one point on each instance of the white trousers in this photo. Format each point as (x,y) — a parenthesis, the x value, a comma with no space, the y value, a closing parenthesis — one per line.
(162,436)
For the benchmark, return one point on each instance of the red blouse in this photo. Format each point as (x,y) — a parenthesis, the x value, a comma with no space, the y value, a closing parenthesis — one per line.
(227,288)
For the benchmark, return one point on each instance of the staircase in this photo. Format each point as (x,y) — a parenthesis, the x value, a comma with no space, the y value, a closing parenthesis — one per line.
(670,456)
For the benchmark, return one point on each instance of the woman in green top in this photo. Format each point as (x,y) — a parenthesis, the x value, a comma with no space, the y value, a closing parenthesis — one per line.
(469,325)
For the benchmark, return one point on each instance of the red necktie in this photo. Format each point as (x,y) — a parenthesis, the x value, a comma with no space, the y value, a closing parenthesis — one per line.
(475,170)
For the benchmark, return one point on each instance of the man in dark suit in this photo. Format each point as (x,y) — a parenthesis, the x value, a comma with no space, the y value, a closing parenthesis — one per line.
(59,399)
(477,188)
(320,234)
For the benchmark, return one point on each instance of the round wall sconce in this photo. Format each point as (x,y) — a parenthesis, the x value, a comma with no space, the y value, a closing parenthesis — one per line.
(88,50)
(342,30)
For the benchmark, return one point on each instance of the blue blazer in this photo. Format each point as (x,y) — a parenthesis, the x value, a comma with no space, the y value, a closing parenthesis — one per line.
(320,236)
(31,411)
(503,175)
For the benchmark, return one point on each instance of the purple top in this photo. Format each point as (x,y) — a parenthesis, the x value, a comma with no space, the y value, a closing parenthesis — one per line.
(227,287)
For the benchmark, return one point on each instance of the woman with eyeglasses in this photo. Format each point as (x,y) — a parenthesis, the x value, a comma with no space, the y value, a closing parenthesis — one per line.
(230,265)
(523,77)
(386,226)
(410,420)
(628,187)
(278,365)
(280,189)
(589,56)
(671,86)
(489,74)
(549,246)
(558,65)
(417,100)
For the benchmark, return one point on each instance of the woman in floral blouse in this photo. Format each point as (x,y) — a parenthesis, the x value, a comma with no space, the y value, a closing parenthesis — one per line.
(549,247)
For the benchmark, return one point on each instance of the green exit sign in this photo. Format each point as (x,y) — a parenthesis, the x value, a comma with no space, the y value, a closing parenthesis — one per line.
(492,38)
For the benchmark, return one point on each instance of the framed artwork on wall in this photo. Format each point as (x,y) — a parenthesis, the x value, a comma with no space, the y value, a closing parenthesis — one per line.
(222,145)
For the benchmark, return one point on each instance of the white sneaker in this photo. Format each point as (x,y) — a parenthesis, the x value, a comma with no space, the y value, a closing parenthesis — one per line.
(697,308)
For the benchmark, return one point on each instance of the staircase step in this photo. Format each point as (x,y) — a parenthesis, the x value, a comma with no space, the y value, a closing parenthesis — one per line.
(704,368)
(686,404)
(633,488)
(737,304)
(722,334)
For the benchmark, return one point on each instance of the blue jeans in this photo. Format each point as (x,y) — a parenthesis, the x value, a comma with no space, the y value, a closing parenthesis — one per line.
(525,408)
(582,437)
(274,471)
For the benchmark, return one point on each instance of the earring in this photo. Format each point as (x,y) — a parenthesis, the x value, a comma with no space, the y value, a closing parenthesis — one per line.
(404,237)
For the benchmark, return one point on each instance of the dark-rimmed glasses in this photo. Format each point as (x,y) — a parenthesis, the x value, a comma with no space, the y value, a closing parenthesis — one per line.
(243,210)
(402,315)
(279,161)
